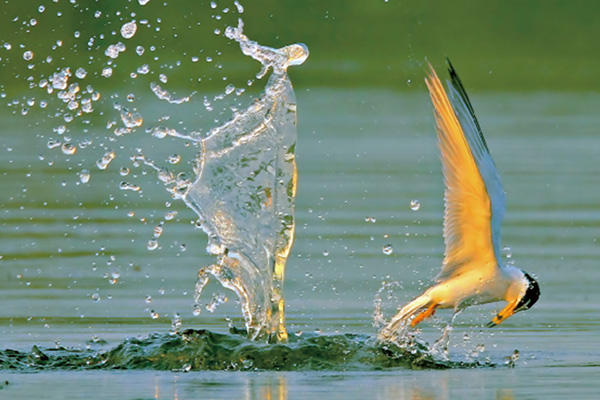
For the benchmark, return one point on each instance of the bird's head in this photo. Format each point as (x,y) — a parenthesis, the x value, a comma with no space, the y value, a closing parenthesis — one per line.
(526,295)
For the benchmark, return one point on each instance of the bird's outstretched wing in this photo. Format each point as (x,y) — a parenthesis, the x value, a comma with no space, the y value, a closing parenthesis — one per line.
(474,197)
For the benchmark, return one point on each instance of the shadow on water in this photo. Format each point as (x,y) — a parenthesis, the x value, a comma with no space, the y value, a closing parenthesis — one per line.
(209,351)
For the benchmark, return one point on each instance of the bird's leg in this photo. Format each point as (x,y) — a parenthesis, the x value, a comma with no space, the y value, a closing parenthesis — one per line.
(425,314)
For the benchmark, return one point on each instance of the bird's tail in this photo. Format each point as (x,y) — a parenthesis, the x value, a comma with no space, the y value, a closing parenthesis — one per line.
(401,321)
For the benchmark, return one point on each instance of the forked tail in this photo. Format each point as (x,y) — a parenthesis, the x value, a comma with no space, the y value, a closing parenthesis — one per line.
(402,320)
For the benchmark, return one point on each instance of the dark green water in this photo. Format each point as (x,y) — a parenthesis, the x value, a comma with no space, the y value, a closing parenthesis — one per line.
(200,350)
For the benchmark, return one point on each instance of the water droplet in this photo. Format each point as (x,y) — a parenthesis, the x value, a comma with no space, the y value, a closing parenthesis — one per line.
(514,357)
(176,325)
(86,105)
(105,160)
(80,73)
(163,78)
(388,249)
(197,309)
(415,205)
(165,176)
(60,79)
(161,133)
(158,230)
(174,158)
(139,50)
(28,55)
(371,219)
(114,50)
(170,215)
(215,302)
(144,69)
(143,2)
(96,297)
(128,30)
(240,8)
(68,149)
(131,119)
(53,143)
(326,253)
(153,314)
(213,5)
(41,9)
(129,186)
(148,299)
(152,244)
(107,72)
(84,176)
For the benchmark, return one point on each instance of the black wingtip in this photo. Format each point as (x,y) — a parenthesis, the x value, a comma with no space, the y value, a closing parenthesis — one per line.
(452,71)
(456,82)
(458,85)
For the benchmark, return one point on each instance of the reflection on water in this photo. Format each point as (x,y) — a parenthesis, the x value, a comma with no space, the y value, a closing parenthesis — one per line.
(418,385)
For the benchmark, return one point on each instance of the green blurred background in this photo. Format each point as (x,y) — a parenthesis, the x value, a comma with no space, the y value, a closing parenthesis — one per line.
(507,45)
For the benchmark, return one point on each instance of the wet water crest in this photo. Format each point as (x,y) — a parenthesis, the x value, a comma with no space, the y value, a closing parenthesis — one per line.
(203,350)
(244,189)
(244,194)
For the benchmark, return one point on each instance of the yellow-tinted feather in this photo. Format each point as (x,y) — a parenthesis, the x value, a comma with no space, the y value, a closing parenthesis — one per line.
(467,219)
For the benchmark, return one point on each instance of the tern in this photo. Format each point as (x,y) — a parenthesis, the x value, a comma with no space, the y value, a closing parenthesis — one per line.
(472,271)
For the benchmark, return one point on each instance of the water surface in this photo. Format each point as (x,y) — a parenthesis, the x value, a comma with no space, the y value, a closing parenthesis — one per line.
(363,155)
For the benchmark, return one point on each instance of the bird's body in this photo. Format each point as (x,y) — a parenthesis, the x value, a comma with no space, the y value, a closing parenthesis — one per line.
(472,271)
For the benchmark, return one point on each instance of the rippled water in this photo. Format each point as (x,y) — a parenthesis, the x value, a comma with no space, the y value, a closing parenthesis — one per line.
(78,275)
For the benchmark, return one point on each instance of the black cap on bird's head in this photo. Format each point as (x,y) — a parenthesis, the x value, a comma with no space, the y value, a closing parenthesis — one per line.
(531,296)
(526,301)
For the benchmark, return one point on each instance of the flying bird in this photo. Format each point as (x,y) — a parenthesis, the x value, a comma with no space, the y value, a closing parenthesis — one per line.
(473,271)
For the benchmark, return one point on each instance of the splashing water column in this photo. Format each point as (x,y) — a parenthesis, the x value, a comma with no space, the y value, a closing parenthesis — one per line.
(244,194)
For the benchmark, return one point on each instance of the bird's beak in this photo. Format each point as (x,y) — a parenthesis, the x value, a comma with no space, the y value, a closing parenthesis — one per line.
(504,314)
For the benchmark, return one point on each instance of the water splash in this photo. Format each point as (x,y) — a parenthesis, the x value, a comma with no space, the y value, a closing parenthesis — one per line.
(404,335)
(202,350)
(163,94)
(244,193)
(278,59)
